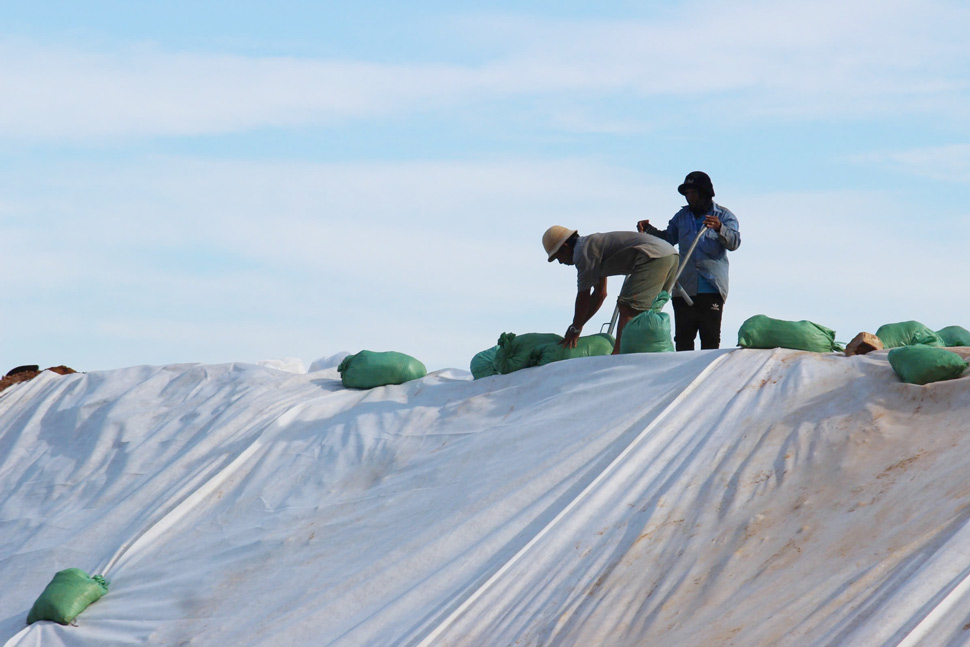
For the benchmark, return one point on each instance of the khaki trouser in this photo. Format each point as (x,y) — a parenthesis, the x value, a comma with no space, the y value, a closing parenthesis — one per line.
(647,280)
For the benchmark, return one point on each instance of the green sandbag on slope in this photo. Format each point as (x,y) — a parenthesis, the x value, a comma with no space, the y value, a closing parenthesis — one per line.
(907,333)
(69,593)
(760,331)
(954,336)
(589,346)
(649,332)
(920,364)
(483,363)
(515,351)
(369,369)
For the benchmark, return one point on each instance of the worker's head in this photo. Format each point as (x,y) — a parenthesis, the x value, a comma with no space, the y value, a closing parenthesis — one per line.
(697,180)
(558,243)
(697,188)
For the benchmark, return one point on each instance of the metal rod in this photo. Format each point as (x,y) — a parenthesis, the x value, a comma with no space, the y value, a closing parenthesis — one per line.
(683,262)
(612,324)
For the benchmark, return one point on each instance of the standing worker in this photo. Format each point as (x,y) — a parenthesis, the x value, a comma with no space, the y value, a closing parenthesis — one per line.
(647,261)
(705,275)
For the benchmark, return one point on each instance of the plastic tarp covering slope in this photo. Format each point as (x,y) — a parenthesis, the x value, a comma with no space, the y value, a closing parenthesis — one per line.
(753,497)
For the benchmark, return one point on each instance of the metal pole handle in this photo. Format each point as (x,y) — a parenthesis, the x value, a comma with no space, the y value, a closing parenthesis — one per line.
(683,262)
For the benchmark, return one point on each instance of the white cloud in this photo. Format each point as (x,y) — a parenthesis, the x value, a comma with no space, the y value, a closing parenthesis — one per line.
(138,259)
(949,163)
(192,260)
(861,57)
(204,257)
(858,58)
(588,121)
(186,259)
(67,93)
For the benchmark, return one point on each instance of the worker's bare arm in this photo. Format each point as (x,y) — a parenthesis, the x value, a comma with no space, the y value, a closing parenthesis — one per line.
(588,303)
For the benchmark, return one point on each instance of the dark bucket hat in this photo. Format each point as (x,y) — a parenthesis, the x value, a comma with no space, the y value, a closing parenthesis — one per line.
(697,180)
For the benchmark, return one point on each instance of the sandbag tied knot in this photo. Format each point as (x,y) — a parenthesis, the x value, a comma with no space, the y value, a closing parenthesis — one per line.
(515,351)
(505,339)
(661,300)
(649,331)
(344,364)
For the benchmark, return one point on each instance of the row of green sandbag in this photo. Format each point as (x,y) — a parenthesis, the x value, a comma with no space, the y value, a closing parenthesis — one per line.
(907,333)
(760,331)
(515,352)
(651,333)
(916,356)
(648,332)
(369,369)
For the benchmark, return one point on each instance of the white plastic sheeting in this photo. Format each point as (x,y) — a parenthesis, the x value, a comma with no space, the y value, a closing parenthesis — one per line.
(709,498)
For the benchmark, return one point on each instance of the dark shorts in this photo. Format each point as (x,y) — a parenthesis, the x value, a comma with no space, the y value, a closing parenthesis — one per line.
(642,286)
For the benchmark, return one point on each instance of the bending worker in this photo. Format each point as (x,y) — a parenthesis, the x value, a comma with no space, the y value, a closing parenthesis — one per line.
(647,261)
(705,275)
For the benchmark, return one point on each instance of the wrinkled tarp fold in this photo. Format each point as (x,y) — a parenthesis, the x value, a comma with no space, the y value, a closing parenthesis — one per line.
(752,496)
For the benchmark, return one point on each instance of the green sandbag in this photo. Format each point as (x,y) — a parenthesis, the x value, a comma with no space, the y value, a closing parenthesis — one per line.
(907,333)
(68,594)
(760,331)
(649,331)
(954,336)
(369,369)
(515,351)
(920,364)
(589,346)
(483,364)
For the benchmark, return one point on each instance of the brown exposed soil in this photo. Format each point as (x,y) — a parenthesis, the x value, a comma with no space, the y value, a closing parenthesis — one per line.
(27,373)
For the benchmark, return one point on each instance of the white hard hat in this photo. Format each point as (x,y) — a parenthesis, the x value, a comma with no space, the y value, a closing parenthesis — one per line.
(553,239)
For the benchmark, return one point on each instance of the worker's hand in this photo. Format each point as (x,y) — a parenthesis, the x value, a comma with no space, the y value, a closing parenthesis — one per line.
(642,225)
(713,222)
(571,337)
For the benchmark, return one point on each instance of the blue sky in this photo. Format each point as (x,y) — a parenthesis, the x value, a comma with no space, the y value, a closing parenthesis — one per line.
(213,182)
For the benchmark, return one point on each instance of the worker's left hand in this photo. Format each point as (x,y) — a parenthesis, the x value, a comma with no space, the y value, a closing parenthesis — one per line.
(570,338)
(713,222)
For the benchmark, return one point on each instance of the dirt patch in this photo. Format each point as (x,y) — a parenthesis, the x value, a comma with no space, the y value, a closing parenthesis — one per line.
(29,372)
(901,465)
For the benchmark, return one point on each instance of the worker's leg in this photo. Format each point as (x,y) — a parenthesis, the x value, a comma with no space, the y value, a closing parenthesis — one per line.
(626,314)
(709,307)
(685,323)
(642,286)
(672,265)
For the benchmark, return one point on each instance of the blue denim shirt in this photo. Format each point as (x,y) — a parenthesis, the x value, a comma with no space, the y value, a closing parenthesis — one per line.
(709,259)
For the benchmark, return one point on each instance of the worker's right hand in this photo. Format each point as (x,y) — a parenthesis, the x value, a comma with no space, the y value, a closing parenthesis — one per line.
(571,337)
(642,225)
